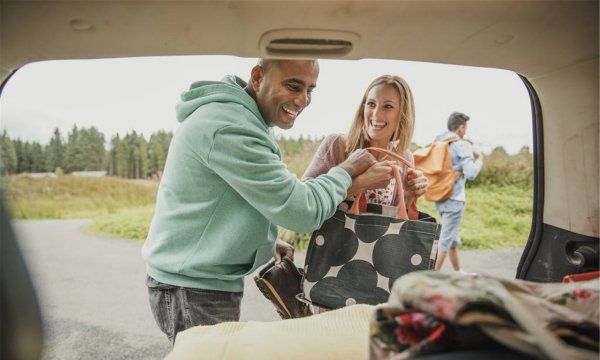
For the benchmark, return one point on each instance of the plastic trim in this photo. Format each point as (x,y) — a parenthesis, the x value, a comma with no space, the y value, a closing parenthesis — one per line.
(535,234)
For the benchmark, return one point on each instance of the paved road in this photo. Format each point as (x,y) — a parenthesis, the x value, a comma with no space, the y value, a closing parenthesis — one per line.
(94,302)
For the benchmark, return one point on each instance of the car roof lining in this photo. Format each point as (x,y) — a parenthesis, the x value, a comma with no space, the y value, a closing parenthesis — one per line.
(497,34)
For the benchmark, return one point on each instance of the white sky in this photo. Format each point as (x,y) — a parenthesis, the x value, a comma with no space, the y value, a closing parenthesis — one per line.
(120,95)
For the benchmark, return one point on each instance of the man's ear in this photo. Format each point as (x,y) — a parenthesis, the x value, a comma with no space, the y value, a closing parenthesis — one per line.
(461,130)
(256,77)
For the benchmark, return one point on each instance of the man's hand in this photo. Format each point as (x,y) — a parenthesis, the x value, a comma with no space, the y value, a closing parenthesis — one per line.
(283,249)
(358,162)
(415,183)
(376,177)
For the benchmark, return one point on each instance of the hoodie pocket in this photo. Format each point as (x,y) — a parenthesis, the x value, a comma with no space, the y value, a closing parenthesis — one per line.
(263,254)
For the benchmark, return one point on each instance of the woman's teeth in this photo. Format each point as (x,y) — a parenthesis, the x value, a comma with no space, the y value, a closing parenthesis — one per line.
(378,125)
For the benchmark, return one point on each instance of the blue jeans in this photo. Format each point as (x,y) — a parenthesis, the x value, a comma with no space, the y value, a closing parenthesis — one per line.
(178,308)
(451,212)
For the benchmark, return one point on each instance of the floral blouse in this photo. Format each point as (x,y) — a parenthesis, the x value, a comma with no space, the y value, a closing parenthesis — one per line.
(327,156)
(383,196)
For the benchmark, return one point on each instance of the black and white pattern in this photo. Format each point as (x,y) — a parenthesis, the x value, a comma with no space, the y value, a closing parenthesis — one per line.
(354,259)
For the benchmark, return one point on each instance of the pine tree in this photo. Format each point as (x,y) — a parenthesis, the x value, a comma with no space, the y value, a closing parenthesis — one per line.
(158,148)
(112,165)
(37,158)
(95,150)
(26,151)
(55,152)
(19,151)
(8,155)
(73,158)
(144,163)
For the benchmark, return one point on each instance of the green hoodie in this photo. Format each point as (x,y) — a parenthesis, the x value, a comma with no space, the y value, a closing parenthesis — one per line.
(224,189)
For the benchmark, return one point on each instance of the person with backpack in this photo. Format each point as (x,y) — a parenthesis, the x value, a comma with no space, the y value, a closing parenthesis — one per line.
(466,164)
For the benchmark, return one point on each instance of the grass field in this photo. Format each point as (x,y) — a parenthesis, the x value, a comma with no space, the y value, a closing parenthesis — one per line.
(129,223)
(69,197)
(496,215)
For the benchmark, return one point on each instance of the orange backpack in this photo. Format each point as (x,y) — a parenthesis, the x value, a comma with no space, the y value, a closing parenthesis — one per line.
(436,163)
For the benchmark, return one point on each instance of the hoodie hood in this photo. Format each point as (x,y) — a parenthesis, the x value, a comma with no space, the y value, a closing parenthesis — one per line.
(231,89)
(447,135)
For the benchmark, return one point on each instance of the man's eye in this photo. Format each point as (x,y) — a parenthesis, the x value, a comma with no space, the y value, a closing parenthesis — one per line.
(293,88)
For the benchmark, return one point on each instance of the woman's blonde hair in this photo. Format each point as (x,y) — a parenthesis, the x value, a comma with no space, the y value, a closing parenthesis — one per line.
(358,138)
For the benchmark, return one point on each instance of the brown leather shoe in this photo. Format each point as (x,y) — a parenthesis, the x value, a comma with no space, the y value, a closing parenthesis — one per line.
(279,284)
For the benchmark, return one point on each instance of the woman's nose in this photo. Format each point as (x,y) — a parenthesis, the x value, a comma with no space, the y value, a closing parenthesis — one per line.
(375,112)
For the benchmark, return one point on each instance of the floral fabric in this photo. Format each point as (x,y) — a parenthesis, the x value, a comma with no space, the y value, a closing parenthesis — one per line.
(383,196)
(432,312)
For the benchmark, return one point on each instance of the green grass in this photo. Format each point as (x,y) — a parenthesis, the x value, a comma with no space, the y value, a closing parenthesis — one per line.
(499,207)
(69,197)
(128,223)
(496,216)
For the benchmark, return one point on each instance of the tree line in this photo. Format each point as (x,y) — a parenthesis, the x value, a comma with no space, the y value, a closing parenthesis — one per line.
(84,149)
(132,156)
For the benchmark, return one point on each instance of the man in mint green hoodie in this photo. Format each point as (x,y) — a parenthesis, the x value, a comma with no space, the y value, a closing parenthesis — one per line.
(225,189)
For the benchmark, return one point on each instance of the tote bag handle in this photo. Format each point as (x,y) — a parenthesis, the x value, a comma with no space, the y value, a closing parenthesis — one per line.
(401,213)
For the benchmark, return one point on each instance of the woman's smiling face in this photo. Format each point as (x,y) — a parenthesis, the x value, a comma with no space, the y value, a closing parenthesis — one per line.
(382,114)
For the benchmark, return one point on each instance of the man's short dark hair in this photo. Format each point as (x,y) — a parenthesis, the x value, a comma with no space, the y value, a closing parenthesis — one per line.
(457,119)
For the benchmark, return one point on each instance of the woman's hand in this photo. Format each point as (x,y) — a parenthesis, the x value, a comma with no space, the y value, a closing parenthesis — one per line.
(376,177)
(415,184)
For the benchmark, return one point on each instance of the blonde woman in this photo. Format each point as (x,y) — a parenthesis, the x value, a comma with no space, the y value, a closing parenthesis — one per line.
(385,119)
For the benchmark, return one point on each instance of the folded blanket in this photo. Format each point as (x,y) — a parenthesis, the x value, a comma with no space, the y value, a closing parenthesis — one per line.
(338,334)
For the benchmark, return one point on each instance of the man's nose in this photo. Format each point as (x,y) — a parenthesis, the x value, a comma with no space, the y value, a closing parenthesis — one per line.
(302,100)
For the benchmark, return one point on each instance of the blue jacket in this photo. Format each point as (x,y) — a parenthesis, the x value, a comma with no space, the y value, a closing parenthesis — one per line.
(462,161)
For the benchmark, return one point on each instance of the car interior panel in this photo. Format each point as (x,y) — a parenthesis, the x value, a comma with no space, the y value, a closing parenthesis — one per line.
(552,45)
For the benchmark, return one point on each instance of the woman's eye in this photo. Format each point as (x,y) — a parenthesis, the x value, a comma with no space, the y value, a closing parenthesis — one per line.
(370,104)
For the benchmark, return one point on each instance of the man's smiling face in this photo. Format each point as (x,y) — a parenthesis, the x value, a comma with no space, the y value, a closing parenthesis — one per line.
(283,89)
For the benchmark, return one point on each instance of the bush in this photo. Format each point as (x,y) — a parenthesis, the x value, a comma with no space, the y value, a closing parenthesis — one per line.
(499,168)
(298,240)
(297,154)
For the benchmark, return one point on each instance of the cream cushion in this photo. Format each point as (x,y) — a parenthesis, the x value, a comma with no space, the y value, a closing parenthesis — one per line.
(338,334)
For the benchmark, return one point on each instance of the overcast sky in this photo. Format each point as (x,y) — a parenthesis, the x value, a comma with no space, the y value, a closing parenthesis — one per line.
(120,95)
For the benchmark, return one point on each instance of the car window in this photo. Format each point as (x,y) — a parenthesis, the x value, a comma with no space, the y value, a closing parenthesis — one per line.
(116,117)
(84,146)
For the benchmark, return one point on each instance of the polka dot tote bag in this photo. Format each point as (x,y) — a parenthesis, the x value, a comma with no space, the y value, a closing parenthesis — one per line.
(357,254)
